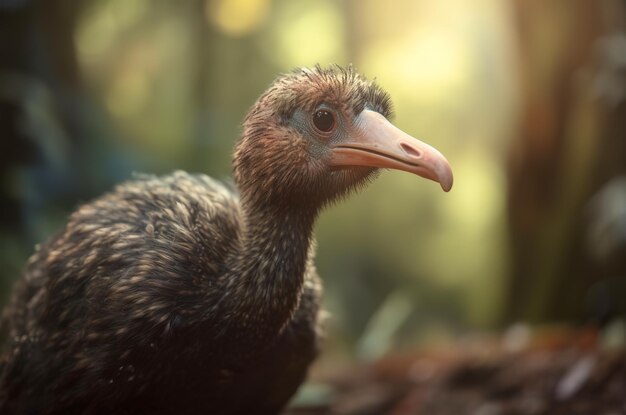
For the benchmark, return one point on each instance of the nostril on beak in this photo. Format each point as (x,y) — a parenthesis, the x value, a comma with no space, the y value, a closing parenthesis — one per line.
(410,150)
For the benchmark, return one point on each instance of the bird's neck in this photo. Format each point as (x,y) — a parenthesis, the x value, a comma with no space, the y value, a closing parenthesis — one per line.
(266,275)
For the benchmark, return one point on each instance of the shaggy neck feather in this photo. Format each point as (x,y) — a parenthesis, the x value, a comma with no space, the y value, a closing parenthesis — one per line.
(266,275)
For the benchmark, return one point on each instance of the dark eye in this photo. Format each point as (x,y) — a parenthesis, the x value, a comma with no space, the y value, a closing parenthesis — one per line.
(324,120)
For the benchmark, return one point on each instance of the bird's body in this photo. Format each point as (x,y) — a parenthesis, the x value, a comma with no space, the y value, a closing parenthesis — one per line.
(111,313)
(177,294)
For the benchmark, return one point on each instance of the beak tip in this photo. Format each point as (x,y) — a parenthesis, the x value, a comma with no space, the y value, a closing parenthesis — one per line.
(445,177)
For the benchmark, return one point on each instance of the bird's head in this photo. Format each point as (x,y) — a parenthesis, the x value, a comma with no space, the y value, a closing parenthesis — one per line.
(315,134)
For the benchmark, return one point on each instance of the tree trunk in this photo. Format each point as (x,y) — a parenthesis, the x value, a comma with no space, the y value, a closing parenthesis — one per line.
(571,141)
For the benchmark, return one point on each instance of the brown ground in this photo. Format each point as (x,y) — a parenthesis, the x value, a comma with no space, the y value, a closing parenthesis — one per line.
(556,372)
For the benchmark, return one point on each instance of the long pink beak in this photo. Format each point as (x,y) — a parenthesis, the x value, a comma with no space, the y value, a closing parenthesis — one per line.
(378,143)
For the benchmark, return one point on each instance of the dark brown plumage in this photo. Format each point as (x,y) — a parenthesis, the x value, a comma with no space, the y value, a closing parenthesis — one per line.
(175,294)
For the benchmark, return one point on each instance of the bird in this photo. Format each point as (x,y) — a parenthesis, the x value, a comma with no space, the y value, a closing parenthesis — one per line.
(182,294)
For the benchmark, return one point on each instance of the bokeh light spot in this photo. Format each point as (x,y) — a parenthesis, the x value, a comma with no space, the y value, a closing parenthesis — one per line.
(307,33)
(430,63)
(237,17)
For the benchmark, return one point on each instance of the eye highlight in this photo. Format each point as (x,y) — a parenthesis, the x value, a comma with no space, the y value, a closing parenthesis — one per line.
(324,120)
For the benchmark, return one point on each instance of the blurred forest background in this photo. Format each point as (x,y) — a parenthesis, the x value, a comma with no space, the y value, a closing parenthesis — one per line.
(526,98)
